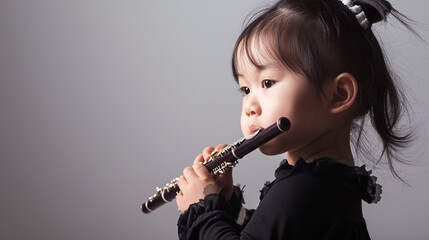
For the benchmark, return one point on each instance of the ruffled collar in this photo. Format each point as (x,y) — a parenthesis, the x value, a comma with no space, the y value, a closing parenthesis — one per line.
(357,179)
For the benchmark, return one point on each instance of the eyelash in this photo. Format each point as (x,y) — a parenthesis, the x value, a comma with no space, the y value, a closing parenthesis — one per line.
(266,83)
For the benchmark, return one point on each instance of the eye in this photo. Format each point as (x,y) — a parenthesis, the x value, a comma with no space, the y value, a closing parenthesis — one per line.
(267,83)
(245,90)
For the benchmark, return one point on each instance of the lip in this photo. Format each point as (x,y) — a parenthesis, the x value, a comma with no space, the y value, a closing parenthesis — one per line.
(253,128)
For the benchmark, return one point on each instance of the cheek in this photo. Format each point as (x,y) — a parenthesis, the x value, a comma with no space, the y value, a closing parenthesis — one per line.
(299,108)
(244,127)
(294,103)
(283,104)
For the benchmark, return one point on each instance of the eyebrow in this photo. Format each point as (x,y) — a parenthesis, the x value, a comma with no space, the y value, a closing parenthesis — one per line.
(264,67)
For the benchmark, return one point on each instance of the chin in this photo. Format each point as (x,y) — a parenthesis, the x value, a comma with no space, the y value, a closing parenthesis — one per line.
(271,149)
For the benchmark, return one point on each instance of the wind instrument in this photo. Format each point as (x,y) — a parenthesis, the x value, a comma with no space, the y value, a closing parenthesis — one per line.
(220,161)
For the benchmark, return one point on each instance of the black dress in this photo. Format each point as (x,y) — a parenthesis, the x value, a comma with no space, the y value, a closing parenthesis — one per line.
(317,200)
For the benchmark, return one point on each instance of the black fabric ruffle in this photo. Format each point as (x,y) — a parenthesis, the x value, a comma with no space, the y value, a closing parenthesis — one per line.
(357,179)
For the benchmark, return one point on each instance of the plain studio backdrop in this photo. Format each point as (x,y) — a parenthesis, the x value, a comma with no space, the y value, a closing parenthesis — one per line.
(102,101)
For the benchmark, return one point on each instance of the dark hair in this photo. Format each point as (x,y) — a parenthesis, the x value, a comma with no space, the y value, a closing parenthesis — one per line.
(320,39)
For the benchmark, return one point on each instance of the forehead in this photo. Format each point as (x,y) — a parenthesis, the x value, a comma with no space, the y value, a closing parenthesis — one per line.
(256,54)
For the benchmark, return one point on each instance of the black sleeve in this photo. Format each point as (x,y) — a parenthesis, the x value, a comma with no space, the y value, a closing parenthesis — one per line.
(196,222)
(288,211)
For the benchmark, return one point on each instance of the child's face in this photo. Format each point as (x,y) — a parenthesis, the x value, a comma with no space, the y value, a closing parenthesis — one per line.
(273,92)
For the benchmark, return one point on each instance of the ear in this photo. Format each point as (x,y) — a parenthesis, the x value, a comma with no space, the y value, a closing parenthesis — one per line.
(342,93)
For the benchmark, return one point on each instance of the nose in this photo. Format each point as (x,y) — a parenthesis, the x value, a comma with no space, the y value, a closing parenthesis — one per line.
(251,106)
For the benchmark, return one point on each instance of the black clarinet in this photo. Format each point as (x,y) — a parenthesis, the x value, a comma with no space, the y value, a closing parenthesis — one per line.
(219,162)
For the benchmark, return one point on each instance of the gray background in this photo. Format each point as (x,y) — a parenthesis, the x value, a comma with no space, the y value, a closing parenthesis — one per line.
(102,101)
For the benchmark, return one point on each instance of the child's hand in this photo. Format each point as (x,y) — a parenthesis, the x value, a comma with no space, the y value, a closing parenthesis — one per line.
(225,179)
(197,181)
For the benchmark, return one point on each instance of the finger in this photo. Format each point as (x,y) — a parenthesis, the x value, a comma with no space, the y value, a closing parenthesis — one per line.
(199,169)
(220,147)
(189,174)
(207,153)
(202,171)
(198,160)
(182,182)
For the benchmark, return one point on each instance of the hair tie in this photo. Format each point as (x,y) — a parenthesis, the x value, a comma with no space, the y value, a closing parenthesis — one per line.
(357,10)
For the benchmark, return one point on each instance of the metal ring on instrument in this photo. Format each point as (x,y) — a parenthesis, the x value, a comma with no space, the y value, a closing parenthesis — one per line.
(147,207)
(233,153)
(163,198)
(279,127)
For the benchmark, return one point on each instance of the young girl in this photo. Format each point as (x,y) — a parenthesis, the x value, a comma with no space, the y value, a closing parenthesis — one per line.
(318,63)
